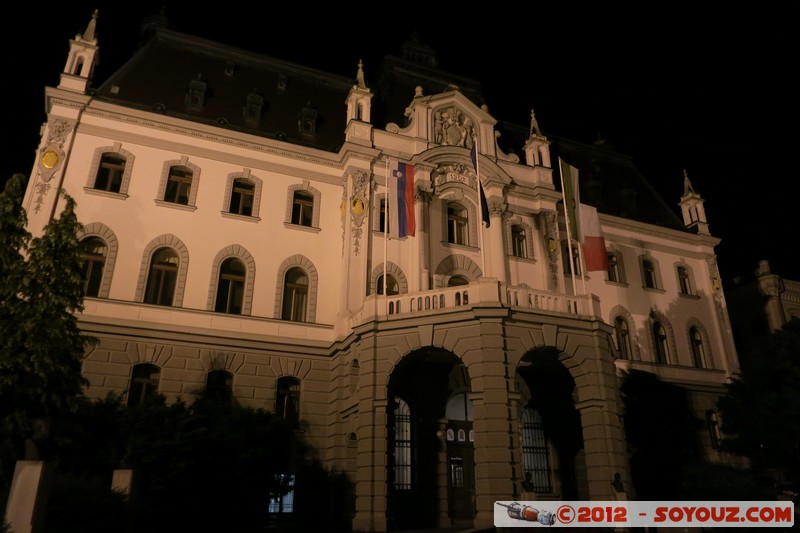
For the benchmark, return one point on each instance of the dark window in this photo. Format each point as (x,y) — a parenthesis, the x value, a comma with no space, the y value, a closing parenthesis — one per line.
(383,223)
(230,288)
(456,224)
(698,352)
(302,209)
(683,279)
(162,277)
(287,401)
(94,260)
(144,383)
(623,337)
(219,385)
(519,245)
(402,445)
(392,287)
(649,271)
(613,268)
(109,173)
(242,197)
(535,453)
(661,344)
(179,186)
(295,295)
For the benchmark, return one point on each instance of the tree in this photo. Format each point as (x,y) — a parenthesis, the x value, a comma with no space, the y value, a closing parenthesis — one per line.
(761,411)
(41,345)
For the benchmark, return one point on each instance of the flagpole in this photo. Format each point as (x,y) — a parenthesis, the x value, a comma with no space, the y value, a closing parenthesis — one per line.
(480,207)
(566,219)
(386,239)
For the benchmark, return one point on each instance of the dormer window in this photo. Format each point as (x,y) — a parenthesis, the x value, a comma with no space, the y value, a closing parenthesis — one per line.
(254,103)
(307,120)
(196,94)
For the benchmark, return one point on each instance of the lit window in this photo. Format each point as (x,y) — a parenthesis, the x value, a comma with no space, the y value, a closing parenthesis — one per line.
(230,288)
(519,247)
(110,172)
(698,353)
(179,185)
(535,453)
(94,260)
(402,445)
(287,401)
(295,295)
(456,224)
(660,343)
(162,277)
(302,209)
(144,383)
(684,281)
(242,197)
(623,337)
(281,499)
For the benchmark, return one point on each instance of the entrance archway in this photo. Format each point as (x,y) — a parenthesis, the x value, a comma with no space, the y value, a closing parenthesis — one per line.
(426,386)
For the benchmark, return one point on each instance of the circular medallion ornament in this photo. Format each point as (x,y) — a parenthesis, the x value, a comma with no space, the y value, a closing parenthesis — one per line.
(357,208)
(50,159)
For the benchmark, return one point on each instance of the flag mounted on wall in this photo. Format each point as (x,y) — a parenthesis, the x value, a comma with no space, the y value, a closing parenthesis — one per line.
(569,184)
(484,204)
(402,220)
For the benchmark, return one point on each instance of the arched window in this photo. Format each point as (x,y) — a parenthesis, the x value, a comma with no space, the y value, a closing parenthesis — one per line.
(295,295)
(287,401)
(94,260)
(457,281)
(392,287)
(110,172)
(457,224)
(242,195)
(698,352)
(162,277)
(402,444)
(219,385)
(660,343)
(623,337)
(230,288)
(144,383)
(519,246)
(535,453)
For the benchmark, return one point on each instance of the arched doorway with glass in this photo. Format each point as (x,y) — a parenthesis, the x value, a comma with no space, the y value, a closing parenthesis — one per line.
(430,479)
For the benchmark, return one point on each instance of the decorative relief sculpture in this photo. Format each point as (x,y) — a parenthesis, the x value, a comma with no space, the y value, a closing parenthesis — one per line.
(452,128)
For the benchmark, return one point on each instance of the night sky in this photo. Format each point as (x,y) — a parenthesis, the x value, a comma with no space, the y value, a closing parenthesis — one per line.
(710,92)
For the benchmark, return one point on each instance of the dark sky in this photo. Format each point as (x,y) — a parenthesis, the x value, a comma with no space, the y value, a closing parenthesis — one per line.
(709,92)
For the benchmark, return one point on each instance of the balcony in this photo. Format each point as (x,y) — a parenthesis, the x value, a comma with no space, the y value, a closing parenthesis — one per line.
(484,292)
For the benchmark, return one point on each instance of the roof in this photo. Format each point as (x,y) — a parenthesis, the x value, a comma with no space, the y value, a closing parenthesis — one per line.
(170,66)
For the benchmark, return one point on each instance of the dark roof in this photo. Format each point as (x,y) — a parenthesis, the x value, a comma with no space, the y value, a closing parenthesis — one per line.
(159,76)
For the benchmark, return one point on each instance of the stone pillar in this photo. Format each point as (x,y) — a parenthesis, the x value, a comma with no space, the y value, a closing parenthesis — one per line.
(444,520)
(497,246)
(27,501)
(371,475)
(604,446)
(422,203)
(494,436)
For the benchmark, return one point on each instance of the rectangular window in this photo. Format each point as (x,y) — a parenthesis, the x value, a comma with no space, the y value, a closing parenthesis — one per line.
(519,246)
(281,499)
(302,209)
(109,174)
(242,198)
(179,186)
(649,272)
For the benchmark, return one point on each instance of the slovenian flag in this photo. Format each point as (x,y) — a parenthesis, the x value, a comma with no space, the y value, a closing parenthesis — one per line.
(594,244)
(402,221)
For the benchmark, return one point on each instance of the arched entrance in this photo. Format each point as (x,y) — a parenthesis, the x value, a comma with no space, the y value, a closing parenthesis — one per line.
(428,475)
(550,428)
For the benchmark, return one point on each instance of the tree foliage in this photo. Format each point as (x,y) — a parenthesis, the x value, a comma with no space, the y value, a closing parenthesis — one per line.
(761,410)
(41,345)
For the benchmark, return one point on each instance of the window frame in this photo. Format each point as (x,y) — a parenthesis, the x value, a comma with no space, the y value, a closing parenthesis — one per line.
(287,393)
(457,224)
(96,166)
(311,194)
(143,384)
(162,241)
(535,449)
(93,262)
(303,263)
(622,335)
(167,177)
(229,284)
